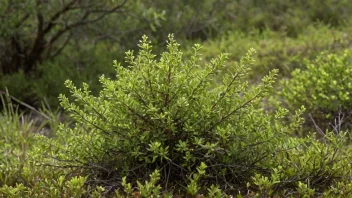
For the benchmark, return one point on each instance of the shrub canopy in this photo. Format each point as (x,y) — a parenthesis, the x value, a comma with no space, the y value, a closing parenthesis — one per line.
(170,114)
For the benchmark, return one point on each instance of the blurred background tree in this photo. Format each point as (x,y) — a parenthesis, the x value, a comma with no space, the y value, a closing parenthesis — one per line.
(33,31)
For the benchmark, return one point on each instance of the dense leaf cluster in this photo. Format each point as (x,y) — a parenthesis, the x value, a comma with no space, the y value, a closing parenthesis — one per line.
(168,114)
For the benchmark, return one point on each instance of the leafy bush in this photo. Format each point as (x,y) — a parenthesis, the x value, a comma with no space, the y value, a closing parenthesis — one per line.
(168,115)
(324,88)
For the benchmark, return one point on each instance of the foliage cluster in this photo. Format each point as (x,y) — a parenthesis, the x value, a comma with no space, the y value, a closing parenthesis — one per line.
(166,115)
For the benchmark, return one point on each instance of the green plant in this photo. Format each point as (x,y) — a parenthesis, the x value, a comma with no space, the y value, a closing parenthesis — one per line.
(168,114)
(16,192)
(265,185)
(214,192)
(193,187)
(150,188)
(304,190)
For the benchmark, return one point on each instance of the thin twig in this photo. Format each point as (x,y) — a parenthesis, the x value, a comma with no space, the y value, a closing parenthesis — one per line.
(316,126)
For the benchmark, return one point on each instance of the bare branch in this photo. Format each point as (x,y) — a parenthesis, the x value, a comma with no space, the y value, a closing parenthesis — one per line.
(222,119)
(316,126)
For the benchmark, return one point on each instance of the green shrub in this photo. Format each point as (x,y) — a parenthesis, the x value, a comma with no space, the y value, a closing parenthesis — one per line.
(170,115)
(324,87)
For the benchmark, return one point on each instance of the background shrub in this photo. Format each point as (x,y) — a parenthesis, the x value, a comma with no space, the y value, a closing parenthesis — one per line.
(324,88)
(276,50)
(289,16)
